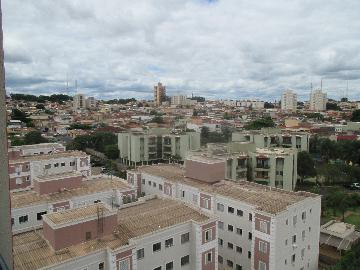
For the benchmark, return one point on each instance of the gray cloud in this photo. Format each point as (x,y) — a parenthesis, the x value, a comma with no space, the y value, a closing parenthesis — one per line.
(219,49)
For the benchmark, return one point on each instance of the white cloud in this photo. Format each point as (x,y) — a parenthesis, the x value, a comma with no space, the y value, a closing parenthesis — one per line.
(225,48)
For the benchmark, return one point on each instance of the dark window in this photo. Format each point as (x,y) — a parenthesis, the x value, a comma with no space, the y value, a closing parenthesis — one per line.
(169,242)
(157,268)
(169,266)
(238,249)
(239,212)
(230,228)
(140,254)
(230,210)
(238,267)
(185,238)
(157,247)
(239,231)
(87,235)
(250,235)
(185,260)
(230,263)
(23,219)
(250,217)
(249,254)
(101,266)
(230,245)
(40,214)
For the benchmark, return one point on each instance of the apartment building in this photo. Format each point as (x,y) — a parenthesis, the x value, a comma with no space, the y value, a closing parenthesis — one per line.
(79,102)
(64,191)
(260,227)
(24,169)
(156,145)
(151,234)
(159,94)
(276,167)
(288,100)
(268,138)
(318,100)
(15,152)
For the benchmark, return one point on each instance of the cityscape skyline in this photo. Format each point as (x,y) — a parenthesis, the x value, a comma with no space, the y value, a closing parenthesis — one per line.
(213,49)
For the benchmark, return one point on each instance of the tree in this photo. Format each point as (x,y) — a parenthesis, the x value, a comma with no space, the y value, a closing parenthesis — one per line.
(34,137)
(350,261)
(111,151)
(158,119)
(17,114)
(335,200)
(195,113)
(40,106)
(268,105)
(260,123)
(355,117)
(204,134)
(305,166)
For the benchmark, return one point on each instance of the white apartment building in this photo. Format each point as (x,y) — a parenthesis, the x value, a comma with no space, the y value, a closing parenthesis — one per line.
(260,228)
(15,152)
(24,169)
(270,138)
(253,104)
(151,234)
(79,102)
(318,100)
(179,100)
(65,191)
(288,100)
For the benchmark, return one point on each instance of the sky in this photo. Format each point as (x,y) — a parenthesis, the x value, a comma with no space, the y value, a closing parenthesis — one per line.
(220,49)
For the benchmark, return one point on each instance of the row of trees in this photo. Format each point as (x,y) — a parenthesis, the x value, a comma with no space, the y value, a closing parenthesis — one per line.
(105,142)
(121,101)
(208,136)
(260,123)
(32,137)
(59,98)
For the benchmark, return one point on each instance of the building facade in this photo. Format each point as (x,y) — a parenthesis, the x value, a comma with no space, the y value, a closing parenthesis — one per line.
(318,100)
(259,227)
(156,145)
(159,94)
(288,100)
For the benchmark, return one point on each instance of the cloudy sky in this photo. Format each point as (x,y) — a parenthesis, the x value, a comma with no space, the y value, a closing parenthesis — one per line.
(214,48)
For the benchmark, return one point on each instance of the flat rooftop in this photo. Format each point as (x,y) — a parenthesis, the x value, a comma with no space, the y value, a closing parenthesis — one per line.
(35,146)
(100,184)
(44,178)
(31,251)
(49,156)
(264,198)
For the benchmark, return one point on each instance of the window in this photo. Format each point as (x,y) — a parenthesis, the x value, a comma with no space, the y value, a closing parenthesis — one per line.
(262,247)
(208,258)
(157,268)
(231,210)
(185,238)
(293,257)
(183,193)
(286,242)
(124,264)
(160,187)
(250,217)
(169,266)
(18,181)
(149,183)
(287,222)
(47,166)
(23,219)
(154,184)
(309,229)
(157,247)
(230,228)
(303,235)
(230,263)
(220,241)
(87,236)
(239,231)
(294,220)
(72,163)
(39,215)
(27,178)
(238,249)
(262,265)
(250,236)
(240,213)
(63,164)
(185,260)
(140,253)
(195,198)
(263,226)
(143,181)
(238,267)
(208,235)
(294,239)
(220,259)
(207,203)
(56,165)
(249,254)
(221,225)
(169,242)
(230,245)
(101,266)
(303,215)
(220,207)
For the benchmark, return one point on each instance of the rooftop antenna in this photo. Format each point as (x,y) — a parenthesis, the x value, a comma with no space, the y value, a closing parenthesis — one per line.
(347,89)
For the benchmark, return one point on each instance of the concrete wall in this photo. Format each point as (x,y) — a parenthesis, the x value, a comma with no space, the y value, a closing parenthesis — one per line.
(205,172)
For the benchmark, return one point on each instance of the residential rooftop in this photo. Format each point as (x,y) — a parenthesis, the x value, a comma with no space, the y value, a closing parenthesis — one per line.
(51,177)
(32,251)
(267,199)
(93,185)
(49,156)
(41,145)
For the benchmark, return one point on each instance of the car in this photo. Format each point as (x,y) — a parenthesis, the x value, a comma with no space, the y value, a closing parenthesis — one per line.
(353,186)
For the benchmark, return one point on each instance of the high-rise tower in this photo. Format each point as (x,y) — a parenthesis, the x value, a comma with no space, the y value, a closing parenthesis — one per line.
(159,94)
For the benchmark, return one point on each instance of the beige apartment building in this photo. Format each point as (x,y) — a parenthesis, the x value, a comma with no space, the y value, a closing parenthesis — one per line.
(272,137)
(259,227)
(139,147)
(159,94)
